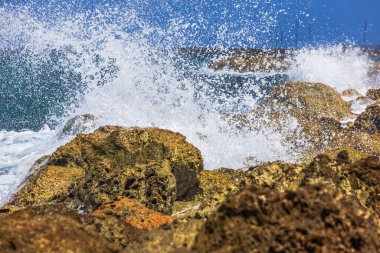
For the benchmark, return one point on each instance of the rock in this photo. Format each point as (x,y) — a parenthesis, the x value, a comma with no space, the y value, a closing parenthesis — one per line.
(278,175)
(176,237)
(257,62)
(79,124)
(353,154)
(152,165)
(313,218)
(369,121)
(214,188)
(308,99)
(351,93)
(134,213)
(358,180)
(373,94)
(307,115)
(42,230)
(49,183)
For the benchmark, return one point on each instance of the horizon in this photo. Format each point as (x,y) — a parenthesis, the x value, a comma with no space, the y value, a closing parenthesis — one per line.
(240,23)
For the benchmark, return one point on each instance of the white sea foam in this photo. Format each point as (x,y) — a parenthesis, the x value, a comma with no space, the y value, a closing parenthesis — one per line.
(338,66)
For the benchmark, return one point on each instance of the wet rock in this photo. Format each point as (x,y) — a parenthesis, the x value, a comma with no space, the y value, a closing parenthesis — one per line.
(313,218)
(152,165)
(369,121)
(259,62)
(373,94)
(307,115)
(351,93)
(308,99)
(79,124)
(134,213)
(44,230)
(278,175)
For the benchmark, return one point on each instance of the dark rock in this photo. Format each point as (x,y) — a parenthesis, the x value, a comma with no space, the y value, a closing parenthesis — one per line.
(373,94)
(313,218)
(48,229)
(369,121)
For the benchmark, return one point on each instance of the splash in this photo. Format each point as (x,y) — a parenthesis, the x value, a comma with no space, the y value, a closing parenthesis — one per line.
(340,66)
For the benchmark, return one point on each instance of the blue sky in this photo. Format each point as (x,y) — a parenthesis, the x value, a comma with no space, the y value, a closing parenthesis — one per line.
(221,22)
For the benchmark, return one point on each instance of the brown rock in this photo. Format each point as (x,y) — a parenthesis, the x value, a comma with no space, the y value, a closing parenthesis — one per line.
(134,213)
(369,121)
(176,237)
(351,93)
(313,218)
(373,94)
(42,230)
(152,165)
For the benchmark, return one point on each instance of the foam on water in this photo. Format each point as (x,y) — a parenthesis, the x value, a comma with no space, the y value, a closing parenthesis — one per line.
(131,78)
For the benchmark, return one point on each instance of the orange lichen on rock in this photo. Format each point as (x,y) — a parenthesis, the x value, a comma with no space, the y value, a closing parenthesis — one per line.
(134,213)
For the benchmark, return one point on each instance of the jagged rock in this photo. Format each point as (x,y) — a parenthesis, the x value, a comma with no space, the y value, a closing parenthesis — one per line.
(47,230)
(152,165)
(79,124)
(214,187)
(175,237)
(353,154)
(369,121)
(134,213)
(278,175)
(358,180)
(373,94)
(310,99)
(313,218)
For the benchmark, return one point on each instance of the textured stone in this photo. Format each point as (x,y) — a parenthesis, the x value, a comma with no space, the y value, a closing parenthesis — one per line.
(369,121)
(47,230)
(313,218)
(134,213)
(152,165)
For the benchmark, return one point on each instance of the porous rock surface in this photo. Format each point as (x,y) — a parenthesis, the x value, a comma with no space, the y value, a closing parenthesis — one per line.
(314,218)
(152,165)
(48,229)
(369,121)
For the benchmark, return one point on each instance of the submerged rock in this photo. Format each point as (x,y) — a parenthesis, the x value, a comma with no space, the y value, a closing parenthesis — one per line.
(48,230)
(152,165)
(313,218)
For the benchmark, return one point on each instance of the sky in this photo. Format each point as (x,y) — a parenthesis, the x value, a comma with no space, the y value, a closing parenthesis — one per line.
(244,22)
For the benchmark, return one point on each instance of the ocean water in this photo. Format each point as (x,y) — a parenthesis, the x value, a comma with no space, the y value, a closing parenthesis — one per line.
(110,63)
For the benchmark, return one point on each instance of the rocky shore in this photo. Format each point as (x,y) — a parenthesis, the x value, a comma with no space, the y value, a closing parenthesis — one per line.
(146,189)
